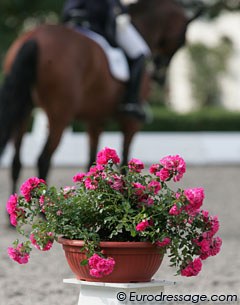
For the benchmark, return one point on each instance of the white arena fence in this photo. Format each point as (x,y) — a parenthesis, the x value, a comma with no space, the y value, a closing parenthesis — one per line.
(197,148)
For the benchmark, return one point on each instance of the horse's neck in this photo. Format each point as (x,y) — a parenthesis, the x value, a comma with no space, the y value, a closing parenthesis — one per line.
(146,19)
(152,18)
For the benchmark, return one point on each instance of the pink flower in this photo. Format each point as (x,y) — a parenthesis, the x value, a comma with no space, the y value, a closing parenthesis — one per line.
(94,260)
(48,242)
(91,184)
(13,219)
(105,266)
(142,225)
(154,186)
(154,168)
(106,155)
(95,273)
(195,197)
(149,201)
(96,170)
(12,209)
(78,177)
(204,245)
(145,199)
(204,255)
(48,246)
(205,215)
(175,210)
(214,225)
(99,266)
(18,254)
(12,204)
(68,191)
(136,165)
(163,174)
(41,203)
(204,242)
(215,246)
(193,268)
(29,185)
(139,188)
(42,200)
(175,165)
(209,246)
(166,241)
(116,183)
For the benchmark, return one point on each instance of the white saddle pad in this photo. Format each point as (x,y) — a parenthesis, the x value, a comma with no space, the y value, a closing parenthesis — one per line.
(116,58)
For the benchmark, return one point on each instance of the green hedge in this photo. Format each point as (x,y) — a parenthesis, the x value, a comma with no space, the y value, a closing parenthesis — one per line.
(210,119)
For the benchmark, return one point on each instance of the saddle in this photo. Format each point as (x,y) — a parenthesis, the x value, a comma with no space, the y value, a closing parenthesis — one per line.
(117,60)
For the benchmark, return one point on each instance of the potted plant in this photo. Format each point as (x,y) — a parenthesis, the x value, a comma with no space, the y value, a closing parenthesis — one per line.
(111,209)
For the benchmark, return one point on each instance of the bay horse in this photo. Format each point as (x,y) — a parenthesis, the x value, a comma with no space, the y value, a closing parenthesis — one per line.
(66,74)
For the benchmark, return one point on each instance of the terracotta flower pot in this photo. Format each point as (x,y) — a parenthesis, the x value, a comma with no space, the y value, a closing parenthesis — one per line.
(135,261)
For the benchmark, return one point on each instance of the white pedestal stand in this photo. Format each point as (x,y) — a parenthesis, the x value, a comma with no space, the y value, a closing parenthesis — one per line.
(94,293)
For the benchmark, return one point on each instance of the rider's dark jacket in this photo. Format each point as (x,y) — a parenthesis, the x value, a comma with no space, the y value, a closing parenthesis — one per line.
(98,15)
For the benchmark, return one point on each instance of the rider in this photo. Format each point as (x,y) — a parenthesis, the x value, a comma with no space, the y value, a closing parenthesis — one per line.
(109,18)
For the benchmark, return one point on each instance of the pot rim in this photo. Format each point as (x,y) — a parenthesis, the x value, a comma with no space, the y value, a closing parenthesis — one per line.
(108,244)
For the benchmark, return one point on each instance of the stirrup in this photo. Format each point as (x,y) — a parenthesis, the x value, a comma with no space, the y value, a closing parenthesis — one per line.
(134,110)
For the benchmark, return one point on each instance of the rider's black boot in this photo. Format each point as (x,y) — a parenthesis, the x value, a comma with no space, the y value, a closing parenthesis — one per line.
(131,104)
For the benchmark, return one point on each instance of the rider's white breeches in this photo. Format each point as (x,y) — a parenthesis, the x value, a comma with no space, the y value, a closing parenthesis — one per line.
(129,39)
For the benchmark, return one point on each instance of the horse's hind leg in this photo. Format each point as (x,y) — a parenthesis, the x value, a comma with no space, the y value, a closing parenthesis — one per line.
(16,162)
(56,128)
(94,131)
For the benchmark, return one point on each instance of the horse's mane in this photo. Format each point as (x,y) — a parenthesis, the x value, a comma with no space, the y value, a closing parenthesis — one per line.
(147,7)
(139,7)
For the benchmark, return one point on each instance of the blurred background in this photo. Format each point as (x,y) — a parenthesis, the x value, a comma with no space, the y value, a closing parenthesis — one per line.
(202,91)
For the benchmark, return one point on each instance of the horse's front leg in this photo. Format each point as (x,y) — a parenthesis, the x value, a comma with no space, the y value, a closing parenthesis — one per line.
(56,128)
(94,130)
(129,128)
(16,166)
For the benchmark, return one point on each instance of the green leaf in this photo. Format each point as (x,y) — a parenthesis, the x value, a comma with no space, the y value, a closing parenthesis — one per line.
(84,262)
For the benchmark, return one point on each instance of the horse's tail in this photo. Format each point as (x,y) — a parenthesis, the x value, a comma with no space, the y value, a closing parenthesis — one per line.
(15,93)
